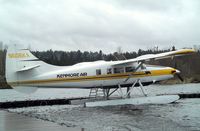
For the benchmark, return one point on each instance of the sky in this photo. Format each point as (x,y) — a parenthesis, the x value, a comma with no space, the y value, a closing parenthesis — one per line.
(93,25)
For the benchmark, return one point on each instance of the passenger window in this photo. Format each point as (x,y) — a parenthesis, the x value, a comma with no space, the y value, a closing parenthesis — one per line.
(109,71)
(129,69)
(98,72)
(119,70)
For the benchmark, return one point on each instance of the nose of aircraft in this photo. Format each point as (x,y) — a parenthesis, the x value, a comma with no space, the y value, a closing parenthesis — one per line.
(178,72)
(175,71)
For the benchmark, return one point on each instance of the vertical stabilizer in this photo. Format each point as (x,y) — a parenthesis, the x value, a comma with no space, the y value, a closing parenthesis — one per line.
(19,59)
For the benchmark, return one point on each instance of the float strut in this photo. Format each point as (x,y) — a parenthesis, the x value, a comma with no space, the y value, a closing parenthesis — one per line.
(141,87)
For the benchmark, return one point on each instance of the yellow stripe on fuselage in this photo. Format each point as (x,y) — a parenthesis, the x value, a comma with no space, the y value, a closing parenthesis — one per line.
(98,77)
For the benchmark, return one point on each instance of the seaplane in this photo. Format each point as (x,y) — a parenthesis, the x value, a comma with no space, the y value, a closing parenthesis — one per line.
(26,73)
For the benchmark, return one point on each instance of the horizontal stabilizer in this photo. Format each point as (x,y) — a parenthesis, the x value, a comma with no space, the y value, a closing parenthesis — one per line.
(28,68)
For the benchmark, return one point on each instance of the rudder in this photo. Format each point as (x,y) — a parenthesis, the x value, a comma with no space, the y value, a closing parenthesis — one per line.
(18,60)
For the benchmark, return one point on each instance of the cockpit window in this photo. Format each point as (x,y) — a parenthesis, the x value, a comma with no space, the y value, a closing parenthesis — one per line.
(129,69)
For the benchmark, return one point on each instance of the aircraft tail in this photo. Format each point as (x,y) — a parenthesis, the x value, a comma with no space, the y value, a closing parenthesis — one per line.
(20,65)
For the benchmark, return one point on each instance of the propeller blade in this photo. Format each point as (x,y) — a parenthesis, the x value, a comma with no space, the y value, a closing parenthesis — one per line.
(179,76)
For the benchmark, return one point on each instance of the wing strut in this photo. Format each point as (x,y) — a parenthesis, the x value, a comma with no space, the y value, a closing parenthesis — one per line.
(130,75)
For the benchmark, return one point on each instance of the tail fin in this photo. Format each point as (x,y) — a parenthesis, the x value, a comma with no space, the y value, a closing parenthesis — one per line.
(23,69)
(19,65)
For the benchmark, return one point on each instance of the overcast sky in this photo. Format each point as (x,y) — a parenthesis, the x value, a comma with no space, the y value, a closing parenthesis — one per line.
(94,25)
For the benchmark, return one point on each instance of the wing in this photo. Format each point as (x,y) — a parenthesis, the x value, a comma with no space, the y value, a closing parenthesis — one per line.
(156,56)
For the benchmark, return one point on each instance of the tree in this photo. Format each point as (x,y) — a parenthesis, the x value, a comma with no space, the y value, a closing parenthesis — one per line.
(173,48)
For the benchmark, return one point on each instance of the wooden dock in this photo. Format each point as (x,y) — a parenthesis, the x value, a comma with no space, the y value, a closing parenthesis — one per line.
(29,103)
(182,96)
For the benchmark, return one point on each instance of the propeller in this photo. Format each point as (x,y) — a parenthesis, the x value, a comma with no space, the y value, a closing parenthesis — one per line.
(177,73)
(180,77)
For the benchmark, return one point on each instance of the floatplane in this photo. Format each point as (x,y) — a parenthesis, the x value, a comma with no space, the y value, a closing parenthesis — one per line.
(26,73)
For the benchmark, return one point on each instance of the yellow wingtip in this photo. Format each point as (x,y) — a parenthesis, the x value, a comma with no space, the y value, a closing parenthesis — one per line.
(186,51)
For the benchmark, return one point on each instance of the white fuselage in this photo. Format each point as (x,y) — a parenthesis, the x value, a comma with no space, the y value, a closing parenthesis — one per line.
(92,74)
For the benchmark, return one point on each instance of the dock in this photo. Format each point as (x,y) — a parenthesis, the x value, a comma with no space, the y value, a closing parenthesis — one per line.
(63,101)
(194,95)
(42,102)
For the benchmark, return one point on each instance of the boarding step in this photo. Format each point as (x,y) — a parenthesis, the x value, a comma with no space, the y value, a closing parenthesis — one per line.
(96,92)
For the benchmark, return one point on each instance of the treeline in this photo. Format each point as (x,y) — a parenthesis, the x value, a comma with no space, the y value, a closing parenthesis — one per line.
(63,58)
(3,83)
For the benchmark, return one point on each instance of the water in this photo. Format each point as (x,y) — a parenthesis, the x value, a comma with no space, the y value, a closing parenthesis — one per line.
(52,93)
(180,116)
(16,122)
